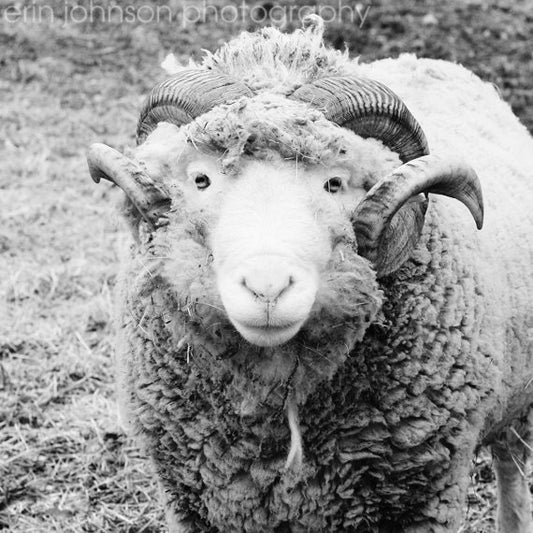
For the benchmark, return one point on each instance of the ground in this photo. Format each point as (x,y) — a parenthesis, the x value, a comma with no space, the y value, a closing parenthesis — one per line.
(65,465)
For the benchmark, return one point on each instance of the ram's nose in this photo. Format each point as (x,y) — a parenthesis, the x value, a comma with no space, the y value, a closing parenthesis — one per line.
(267,297)
(267,282)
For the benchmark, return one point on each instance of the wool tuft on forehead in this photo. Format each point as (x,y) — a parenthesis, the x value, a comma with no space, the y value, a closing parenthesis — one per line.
(269,60)
(267,124)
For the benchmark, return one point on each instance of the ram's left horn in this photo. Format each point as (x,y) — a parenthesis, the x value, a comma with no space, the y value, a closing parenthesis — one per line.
(428,174)
(149,198)
(369,109)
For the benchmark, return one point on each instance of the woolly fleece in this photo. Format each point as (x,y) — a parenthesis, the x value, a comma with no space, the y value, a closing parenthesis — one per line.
(396,384)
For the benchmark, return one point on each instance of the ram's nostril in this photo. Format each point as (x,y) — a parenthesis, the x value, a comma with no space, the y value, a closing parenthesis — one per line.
(267,287)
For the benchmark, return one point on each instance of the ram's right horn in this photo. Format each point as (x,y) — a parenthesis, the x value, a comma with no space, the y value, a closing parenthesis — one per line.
(185,96)
(151,199)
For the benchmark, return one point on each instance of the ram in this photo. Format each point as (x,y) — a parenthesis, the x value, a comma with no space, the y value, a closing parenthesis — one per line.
(313,335)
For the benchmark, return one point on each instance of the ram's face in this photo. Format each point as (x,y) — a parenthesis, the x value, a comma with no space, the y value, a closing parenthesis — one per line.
(277,232)
(271,231)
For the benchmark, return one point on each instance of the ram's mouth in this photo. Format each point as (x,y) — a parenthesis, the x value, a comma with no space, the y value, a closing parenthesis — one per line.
(268,335)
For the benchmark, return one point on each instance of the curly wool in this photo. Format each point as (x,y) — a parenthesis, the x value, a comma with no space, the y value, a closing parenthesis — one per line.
(269,60)
(348,294)
(182,348)
(267,124)
(273,65)
(210,409)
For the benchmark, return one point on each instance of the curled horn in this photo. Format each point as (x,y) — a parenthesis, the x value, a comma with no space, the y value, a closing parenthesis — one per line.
(389,220)
(369,109)
(383,222)
(149,198)
(178,100)
(185,96)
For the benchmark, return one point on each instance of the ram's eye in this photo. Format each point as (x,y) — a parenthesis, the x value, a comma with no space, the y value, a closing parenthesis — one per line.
(333,185)
(202,181)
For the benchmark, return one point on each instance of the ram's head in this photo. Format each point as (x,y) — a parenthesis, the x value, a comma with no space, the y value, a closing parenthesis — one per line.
(303,200)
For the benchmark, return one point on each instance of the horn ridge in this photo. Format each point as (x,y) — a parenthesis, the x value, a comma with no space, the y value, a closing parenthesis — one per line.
(151,199)
(368,108)
(185,96)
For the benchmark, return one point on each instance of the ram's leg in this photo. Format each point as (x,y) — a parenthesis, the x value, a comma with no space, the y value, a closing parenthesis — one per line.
(511,452)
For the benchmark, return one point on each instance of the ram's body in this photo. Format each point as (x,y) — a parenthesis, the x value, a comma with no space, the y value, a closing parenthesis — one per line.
(388,430)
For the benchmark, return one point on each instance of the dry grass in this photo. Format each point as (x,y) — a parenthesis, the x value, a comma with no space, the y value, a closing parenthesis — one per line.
(64,463)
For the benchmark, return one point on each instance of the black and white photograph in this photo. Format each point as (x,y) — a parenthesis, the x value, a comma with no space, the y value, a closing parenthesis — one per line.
(266,266)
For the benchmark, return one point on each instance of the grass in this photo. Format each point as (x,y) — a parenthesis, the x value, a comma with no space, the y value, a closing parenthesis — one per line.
(65,465)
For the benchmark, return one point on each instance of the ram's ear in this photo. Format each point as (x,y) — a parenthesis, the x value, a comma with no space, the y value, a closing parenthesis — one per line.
(146,199)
